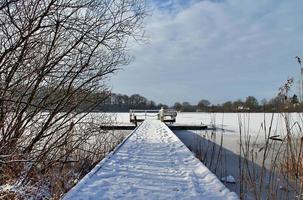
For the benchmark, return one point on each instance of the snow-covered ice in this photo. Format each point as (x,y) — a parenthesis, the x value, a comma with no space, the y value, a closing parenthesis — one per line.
(152,163)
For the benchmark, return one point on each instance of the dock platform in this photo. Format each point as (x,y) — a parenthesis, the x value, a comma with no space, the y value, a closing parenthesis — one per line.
(151,163)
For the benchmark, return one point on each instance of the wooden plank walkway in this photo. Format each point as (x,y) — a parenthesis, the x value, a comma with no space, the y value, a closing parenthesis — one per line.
(152,163)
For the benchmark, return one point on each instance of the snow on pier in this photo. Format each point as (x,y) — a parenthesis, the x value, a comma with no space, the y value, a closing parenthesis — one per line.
(152,163)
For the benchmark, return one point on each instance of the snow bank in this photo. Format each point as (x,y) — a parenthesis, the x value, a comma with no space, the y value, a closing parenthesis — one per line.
(151,164)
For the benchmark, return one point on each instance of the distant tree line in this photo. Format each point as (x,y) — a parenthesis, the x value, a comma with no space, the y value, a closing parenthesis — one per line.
(250,104)
(123,103)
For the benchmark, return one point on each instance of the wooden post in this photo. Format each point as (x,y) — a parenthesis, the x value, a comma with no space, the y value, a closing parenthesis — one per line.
(135,118)
(161,112)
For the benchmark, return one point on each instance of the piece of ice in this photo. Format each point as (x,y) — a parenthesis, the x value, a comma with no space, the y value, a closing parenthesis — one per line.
(228,179)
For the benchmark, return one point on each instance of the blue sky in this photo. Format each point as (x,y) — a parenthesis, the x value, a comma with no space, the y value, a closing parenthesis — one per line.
(218,50)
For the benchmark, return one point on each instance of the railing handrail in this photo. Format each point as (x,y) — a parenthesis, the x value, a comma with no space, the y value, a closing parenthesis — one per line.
(162,114)
(138,110)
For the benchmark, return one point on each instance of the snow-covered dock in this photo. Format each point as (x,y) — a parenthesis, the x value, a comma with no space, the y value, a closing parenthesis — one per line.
(152,163)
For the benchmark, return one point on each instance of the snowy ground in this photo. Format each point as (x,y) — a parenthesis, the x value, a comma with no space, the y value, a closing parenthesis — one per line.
(151,164)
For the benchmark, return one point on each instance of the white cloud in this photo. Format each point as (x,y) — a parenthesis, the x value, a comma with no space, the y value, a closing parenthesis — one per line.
(216,50)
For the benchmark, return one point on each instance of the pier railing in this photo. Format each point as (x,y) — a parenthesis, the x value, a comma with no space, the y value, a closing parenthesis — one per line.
(165,115)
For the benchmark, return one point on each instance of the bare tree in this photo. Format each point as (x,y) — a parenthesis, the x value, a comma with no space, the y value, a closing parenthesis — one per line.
(55,56)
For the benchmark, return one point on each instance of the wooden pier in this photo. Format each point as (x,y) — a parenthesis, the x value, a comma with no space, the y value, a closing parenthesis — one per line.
(151,163)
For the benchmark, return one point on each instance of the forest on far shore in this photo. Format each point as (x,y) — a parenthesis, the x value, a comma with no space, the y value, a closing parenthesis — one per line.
(280,103)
